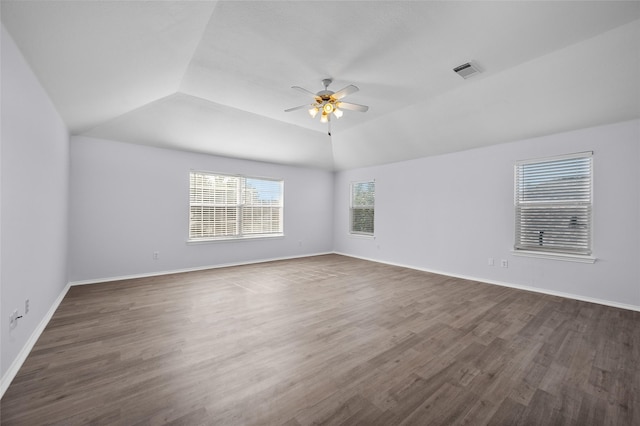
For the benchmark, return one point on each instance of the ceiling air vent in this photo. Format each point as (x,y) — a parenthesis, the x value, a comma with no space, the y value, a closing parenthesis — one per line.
(467,70)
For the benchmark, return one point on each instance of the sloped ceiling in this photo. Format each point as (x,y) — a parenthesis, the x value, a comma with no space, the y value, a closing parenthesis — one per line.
(216,77)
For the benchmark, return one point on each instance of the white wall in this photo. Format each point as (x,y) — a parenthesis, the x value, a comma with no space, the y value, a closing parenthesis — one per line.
(128,201)
(34,193)
(450,213)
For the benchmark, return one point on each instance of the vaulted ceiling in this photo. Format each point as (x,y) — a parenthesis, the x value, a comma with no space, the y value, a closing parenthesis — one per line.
(216,77)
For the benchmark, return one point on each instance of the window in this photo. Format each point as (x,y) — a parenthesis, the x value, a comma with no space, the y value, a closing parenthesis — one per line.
(363,196)
(553,205)
(227,206)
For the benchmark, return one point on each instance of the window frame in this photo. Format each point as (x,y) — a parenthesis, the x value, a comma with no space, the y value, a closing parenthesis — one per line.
(363,207)
(240,206)
(566,254)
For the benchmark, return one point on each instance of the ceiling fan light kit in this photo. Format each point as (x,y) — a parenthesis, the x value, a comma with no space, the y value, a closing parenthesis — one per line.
(328,103)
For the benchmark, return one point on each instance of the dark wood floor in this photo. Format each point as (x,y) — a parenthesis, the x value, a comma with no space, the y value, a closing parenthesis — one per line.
(327,340)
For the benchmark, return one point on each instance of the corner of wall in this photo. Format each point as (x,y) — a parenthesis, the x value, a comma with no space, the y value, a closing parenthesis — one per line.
(35,154)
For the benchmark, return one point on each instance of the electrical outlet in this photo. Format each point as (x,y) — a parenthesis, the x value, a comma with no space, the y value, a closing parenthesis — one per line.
(26,306)
(13,319)
(156,255)
(490,261)
(504,263)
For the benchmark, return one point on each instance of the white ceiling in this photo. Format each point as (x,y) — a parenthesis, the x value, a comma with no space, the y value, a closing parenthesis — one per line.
(215,77)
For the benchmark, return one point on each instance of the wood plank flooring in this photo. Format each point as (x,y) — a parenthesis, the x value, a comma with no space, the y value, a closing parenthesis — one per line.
(327,340)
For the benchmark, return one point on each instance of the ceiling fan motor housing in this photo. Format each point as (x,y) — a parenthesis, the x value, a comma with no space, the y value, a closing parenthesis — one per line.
(325,95)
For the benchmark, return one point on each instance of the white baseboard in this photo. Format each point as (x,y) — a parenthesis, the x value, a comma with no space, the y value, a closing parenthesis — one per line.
(13,369)
(197,268)
(505,284)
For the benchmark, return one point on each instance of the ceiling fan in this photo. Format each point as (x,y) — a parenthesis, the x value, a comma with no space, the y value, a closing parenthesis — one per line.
(329,103)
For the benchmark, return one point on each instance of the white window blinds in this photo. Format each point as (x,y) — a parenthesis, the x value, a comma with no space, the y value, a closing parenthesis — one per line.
(362,210)
(227,206)
(553,204)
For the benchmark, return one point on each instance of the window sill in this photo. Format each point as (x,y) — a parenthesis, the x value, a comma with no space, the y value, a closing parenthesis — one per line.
(227,239)
(554,256)
(364,236)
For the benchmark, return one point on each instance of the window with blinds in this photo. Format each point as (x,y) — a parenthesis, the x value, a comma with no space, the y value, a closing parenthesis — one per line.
(553,203)
(362,209)
(227,206)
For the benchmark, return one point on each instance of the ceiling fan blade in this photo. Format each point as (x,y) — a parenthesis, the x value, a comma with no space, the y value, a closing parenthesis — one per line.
(296,108)
(302,89)
(353,107)
(345,91)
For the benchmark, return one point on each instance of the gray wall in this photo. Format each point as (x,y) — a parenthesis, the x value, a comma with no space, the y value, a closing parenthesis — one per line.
(450,213)
(35,180)
(128,201)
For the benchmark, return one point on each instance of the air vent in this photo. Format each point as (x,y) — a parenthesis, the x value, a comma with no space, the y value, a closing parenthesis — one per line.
(467,70)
